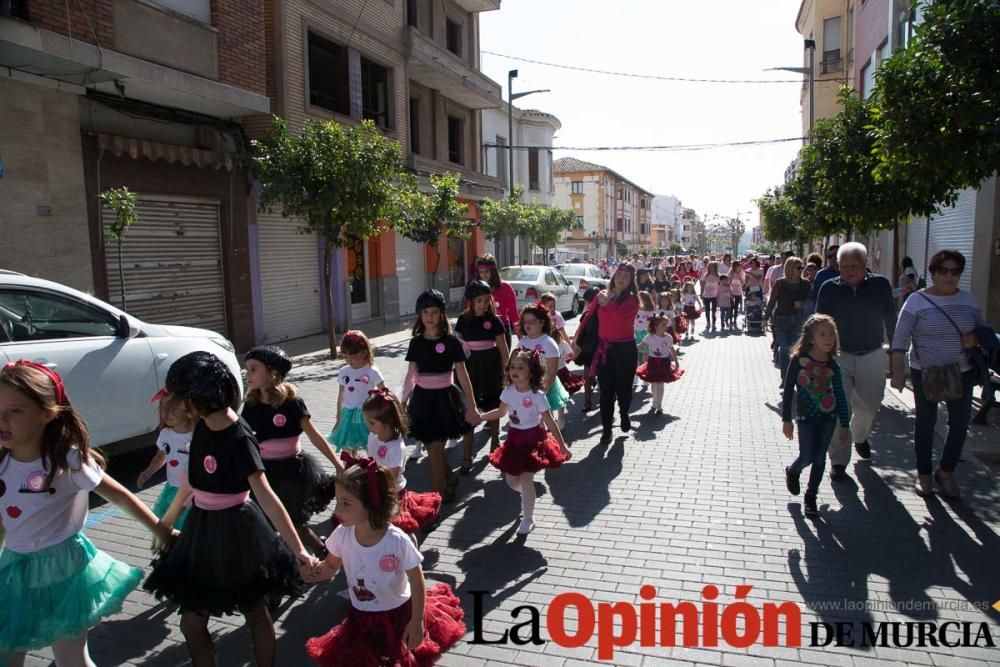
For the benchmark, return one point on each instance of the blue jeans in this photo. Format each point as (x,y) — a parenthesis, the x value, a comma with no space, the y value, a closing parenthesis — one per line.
(814,440)
(959,414)
(785,338)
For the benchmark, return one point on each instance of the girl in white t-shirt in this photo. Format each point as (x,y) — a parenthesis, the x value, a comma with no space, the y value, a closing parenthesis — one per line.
(692,305)
(529,447)
(173,447)
(56,583)
(570,380)
(392,619)
(662,365)
(536,334)
(386,420)
(356,379)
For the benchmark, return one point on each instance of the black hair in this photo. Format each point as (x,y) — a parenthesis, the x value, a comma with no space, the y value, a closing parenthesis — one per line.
(204,381)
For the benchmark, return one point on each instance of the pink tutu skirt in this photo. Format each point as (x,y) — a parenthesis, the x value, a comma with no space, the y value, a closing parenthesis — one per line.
(527,450)
(659,369)
(417,510)
(375,639)
(571,381)
(680,324)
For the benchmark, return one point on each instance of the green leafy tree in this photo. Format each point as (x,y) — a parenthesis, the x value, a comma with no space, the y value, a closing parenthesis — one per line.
(778,215)
(547,224)
(675,248)
(440,215)
(343,182)
(622,248)
(122,202)
(504,218)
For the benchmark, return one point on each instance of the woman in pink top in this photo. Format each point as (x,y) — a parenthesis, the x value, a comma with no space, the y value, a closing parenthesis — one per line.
(710,293)
(503,294)
(617,355)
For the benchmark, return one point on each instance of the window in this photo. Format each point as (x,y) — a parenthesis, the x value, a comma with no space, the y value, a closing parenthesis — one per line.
(415,124)
(867,79)
(551,278)
(453,37)
(619,194)
(502,154)
(618,225)
(831,45)
(411,13)
(576,187)
(455,140)
(579,222)
(456,263)
(328,78)
(37,316)
(533,169)
(375,93)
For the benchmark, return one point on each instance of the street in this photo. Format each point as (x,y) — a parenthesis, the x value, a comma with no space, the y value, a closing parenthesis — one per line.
(692,498)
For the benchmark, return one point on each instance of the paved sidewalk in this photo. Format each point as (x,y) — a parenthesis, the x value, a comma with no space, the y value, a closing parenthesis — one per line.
(692,498)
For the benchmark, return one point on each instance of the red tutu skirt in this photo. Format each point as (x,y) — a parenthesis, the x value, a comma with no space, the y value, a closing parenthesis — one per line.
(527,450)
(659,369)
(417,510)
(374,639)
(680,324)
(677,336)
(691,312)
(571,381)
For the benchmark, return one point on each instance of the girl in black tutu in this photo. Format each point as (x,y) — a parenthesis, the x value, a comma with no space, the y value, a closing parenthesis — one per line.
(228,558)
(529,446)
(484,337)
(661,366)
(437,409)
(278,418)
(393,618)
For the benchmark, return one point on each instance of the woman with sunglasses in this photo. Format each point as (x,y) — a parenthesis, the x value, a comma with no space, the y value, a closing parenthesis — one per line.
(785,309)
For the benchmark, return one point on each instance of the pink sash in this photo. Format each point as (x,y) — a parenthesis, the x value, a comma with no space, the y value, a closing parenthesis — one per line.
(434,380)
(280,448)
(207,500)
(480,345)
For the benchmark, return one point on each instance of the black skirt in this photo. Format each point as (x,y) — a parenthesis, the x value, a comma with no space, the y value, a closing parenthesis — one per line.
(301,485)
(486,374)
(225,561)
(437,414)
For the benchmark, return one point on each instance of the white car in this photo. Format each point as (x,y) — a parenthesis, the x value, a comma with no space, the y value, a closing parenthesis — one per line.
(110,362)
(585,275)
(531,282)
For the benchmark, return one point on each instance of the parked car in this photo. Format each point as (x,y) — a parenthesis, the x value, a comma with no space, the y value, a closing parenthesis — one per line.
(584,275)
(111,362)
(531,282)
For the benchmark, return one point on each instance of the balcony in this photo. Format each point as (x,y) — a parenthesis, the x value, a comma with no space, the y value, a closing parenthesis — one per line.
(439,69)
(478,5)
(473,186)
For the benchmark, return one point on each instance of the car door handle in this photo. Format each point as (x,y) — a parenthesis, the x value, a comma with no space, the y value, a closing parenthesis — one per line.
(161,356)
(45,362)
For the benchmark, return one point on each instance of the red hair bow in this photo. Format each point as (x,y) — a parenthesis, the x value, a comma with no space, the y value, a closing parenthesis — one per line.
(61,398)
(355,337)
(383,392)
(371,468)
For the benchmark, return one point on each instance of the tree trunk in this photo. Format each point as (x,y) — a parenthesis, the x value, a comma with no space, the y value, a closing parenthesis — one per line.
(121,276)
(328,271)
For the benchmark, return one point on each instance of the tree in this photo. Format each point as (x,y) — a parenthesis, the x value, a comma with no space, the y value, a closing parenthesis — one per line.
(429,218)
(547,224)
(122,201)
(675,248)
(504,217)
(778,215)
(343,182)
(622,248)
(736,229)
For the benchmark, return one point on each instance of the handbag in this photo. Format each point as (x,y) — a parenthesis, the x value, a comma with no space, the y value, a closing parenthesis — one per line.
(586,340)
(941,383)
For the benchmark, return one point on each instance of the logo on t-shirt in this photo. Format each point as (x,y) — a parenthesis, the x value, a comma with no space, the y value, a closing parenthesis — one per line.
(527,402)
(382,451)
(211,465)
(439,348)
(487,325)
(279,420)
(388,564)
(365,378)
(35,483)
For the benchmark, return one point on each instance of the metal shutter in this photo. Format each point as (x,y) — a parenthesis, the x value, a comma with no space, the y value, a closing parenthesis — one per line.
(411,272)
(290,275)
(172,256)
(955,229)
(915,241)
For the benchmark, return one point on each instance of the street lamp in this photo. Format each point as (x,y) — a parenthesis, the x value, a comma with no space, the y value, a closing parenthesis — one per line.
(511,96)
(810,72)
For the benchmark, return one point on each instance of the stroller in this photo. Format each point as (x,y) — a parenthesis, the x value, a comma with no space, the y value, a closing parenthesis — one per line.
(754,313)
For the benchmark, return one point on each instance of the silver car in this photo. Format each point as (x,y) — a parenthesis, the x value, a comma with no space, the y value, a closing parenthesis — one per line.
(531,282)
(584,276)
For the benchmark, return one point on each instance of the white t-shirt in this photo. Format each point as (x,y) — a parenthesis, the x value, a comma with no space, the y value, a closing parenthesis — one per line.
(34,517)
(642,319)
(389,454)
(660,346)
(544,345)
(689,298)
(356,383)
(564,349)
(177,447)
(376,575)
(558,321)
(525,407)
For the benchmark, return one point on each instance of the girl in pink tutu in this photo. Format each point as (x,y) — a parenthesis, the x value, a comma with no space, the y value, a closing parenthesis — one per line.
(571,381)
(393,619)
(529,446)
(662,364)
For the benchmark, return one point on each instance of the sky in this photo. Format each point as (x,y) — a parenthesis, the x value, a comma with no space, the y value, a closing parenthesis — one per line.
(710,39)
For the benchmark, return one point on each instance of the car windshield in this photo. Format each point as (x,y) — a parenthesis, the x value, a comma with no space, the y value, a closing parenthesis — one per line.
(573,269)
(520,273)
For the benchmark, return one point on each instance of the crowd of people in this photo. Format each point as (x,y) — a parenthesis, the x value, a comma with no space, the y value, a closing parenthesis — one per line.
(233,518)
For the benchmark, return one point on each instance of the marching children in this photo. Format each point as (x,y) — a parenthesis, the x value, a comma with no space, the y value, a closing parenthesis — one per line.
(228,558)
(484,336)
(172,448)
(278,418)
(393,619)
(571,381)
(356,379)
(536,327)
(529,446)
(56,584)
(387,423)
(815,379)
(692,305)
(437,409)
(646,310)
(662,365)
(665,305)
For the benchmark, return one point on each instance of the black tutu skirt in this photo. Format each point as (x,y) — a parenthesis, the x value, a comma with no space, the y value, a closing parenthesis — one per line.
(301,485)
(225,561)
(437,414)
(691,312)
(527,450)
(659,369)
(486,374)
(571,381)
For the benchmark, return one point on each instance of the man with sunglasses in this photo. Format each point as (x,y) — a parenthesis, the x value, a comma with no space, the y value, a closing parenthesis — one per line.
(864,309)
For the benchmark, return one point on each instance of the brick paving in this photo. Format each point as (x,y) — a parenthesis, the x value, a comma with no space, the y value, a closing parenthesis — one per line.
(691,498)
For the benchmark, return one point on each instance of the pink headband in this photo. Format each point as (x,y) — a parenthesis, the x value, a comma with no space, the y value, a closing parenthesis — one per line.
(48,372)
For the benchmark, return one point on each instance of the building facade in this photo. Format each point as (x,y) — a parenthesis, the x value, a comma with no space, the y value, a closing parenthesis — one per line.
(828,23)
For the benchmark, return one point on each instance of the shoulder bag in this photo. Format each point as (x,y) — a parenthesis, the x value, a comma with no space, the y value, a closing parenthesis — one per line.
(940,383)
(586,340)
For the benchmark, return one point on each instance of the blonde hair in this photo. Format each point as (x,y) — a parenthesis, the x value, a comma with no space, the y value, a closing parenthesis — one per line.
(279,393)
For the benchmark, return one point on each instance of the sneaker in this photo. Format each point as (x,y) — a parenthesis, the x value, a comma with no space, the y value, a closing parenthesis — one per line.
(792,482)
(838,473)
(527,525)
(809,505)
(863,449)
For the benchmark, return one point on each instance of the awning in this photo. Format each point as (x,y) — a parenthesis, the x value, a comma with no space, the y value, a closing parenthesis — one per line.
(170,153)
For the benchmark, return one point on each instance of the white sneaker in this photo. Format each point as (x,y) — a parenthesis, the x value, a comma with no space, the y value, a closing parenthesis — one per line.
(527,525)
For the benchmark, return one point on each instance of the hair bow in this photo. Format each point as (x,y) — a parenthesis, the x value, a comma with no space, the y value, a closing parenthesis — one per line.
(354,337)
(48,372)
(371,468)
(380,391)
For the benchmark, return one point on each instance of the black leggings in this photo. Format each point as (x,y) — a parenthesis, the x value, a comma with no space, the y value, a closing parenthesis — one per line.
(737,304)
(614,377)
(711,304)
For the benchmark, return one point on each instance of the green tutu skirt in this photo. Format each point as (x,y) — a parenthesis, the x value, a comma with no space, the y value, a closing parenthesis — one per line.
(58,592)
(162,504)
(557,395)
(351,431)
